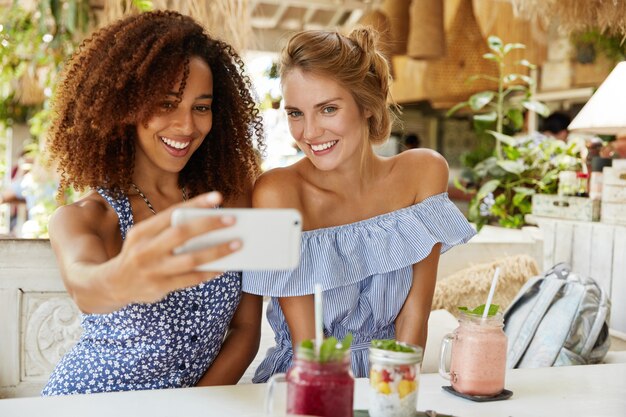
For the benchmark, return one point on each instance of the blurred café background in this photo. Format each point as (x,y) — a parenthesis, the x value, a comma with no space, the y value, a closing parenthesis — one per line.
(435,47)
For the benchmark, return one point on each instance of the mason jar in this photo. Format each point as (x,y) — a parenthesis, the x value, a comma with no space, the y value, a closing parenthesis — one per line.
(394,381)
(320,388)
(478,355)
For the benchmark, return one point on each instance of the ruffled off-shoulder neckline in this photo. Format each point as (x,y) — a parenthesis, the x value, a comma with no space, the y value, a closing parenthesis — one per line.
(381,217)
(346,254)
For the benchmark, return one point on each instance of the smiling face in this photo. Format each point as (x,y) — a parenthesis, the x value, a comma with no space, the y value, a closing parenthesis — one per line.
(174,132)
(324,119)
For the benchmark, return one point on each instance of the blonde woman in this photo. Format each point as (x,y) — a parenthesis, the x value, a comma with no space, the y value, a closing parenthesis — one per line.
(374,226)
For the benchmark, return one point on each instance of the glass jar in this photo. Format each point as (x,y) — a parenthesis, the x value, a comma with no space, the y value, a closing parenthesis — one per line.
(568,184)
(394,381)
(320,388)
(478,355)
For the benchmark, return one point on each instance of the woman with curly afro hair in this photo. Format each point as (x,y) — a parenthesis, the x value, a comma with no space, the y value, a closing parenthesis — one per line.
(152,112)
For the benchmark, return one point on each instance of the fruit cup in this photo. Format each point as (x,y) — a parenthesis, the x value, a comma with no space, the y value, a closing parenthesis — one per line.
(394,378)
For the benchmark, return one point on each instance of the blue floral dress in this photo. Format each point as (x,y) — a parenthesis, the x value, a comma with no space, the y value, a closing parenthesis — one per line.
(365,270)
(167,344)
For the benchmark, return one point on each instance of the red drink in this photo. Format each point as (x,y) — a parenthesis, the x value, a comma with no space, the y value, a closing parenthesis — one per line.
(320,388)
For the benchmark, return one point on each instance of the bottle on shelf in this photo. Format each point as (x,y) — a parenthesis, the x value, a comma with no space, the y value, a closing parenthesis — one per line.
(595,181)
(582,184)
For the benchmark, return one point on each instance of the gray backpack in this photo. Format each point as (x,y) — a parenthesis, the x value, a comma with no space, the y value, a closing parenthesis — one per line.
(557,319)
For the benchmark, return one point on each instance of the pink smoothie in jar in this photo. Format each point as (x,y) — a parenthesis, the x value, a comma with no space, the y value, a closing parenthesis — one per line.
(320,388)
(478,357)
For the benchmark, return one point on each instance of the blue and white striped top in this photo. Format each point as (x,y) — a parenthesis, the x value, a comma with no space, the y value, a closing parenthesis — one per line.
(365,270)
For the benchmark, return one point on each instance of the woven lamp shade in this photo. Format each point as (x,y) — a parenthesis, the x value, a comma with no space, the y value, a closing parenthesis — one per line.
(379,21)
(445,79)
(397,12)
(426,34)
(29,92)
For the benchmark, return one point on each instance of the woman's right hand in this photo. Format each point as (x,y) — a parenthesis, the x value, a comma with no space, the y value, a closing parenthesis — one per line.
(146,269)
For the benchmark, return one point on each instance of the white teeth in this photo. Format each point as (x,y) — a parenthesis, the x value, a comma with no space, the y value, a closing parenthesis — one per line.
(323,146)
(174,144)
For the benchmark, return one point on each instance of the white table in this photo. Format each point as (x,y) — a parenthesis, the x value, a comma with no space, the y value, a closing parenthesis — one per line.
(592,390)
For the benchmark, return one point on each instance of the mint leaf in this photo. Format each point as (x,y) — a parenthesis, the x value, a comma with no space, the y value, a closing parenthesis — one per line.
(391,344)
(328,347)
(346,342)
(307,344)
(331,349)
(493,309)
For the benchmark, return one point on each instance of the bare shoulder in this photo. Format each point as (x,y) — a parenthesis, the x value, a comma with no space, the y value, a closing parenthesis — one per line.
(89,215)
(427,171)
(277,188)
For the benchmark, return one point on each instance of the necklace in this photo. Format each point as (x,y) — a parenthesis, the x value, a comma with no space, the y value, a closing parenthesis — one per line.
(142,195)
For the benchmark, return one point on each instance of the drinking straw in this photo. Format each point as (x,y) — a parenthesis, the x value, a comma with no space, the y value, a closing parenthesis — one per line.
(491,291)
(319,324)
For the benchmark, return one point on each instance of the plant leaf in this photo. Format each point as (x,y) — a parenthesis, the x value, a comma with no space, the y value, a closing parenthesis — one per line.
(56,8)
(509,78)
(516,117)
(491,57)
(391,344)
(492,116)
(487,188)
(494,43)
(516,87)
(71,17)
(479,100)
(459,186)
(526,63)
(518,198)
(514,167)
(456,108)
(537,107)
(143,5)
(307,344)
(524,190)
(346,342)
(510,46)
(328,347)
(475,77)
(509,140)
(493,309)
(511,152)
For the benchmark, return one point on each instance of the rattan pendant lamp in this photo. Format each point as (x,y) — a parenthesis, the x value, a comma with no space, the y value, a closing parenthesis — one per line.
(426,34)
(397,12)
(445,79)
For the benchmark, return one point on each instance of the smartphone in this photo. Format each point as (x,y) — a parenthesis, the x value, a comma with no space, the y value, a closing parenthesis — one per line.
(270,238)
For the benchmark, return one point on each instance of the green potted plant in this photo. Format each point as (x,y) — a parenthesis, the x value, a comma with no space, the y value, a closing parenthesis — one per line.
(504,175)
(35,40)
